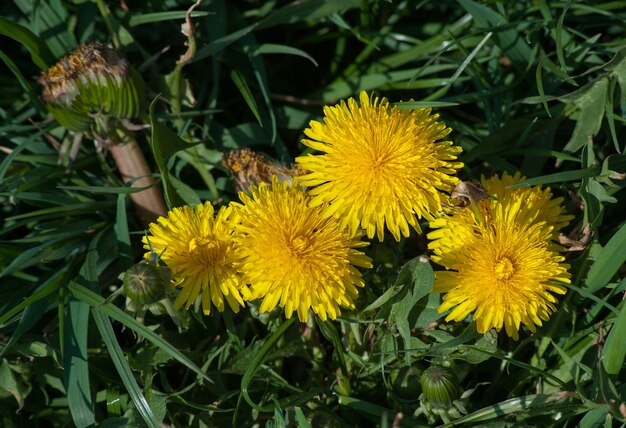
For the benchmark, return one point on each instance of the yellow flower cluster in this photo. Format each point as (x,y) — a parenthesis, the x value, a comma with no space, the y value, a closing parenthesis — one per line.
(300,249)
(298,244)
(273,246)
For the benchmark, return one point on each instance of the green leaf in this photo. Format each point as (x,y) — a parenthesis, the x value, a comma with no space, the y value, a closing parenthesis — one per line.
(510,41)
(594,417)
(39,52)
(48,287)
(599,192)
(29,318)
(149,18)
(258,360)
(529,405)
(268,117)
(559,177)
(51,20)
(410,105)
(121,364)
(10,384)
(98,303)
(301,419)
(607,261)
(270,48)
(414,282)
(76,365)
(306,10)
(122,234)
(185,192)
(164,143)
(479,352)
(75,333)
(329,331)
(294,12)
(588,103)
(244,89)
(26,85)
(614,350)
(617,71)
(380,413)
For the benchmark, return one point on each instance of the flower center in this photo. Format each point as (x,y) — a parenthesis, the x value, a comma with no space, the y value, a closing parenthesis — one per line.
(299,245)
(202,248)
(504,269)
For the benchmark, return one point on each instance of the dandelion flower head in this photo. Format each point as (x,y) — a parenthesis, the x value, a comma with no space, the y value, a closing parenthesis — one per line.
(502,262)
(381,165)
(198,248)
(293,256)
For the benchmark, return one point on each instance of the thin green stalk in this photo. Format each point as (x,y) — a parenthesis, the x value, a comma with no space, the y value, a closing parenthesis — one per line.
(258,361)
(106,17)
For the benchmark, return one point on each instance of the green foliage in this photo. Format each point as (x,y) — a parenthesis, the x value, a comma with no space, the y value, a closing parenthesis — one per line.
(531,86)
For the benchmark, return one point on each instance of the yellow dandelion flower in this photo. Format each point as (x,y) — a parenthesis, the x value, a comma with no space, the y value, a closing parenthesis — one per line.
(504,265)
(198,248)
(529,205)
(295,257)
(538,204)
(381,165)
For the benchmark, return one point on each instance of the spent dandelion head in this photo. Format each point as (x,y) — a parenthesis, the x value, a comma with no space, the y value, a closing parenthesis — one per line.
(502,262)
(381,165)
(249,167)
(293,256)
(93,89)
(198,248)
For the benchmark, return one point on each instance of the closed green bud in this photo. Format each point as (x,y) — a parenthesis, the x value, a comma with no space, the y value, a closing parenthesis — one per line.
(440,386)
(145,283)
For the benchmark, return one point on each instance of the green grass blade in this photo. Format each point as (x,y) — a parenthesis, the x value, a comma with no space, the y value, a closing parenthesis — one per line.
(258,360)
(39,52)
(244,89)
(76,365)
(509,40)
(48,287)
(529,405)
(271,48)
(559,177)
(98,303)
(29,318)
(119,360)
(305,10)
(150,18)
(122,234)
(164,143)
(607,261)
(614,350)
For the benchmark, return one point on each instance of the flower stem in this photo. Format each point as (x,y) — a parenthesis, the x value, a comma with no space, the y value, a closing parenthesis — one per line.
(132,165)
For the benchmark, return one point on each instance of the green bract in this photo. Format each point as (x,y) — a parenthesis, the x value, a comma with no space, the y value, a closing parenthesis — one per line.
(145,283)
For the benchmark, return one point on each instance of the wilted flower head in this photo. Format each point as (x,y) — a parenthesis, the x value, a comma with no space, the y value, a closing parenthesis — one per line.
(91,80)
(381,166)
(249,167)
(503,263)
(293,256)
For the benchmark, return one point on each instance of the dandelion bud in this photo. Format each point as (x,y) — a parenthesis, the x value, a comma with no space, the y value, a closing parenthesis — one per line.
(406,384)
(145,283)
(91,80)
(440,386)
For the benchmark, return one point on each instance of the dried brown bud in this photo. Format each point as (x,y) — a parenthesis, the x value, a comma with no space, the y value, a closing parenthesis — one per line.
(249,167)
